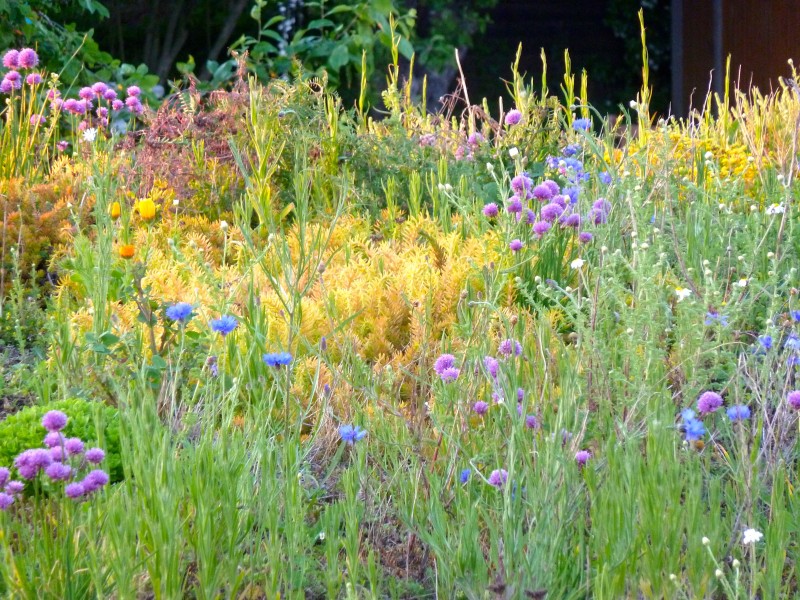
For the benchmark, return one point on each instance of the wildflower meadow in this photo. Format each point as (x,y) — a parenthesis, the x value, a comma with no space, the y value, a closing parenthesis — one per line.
(262,344)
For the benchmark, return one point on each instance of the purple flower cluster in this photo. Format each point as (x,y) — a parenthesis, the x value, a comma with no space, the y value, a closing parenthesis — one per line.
(61,460)
(16,61)
(100,95)
(445,367)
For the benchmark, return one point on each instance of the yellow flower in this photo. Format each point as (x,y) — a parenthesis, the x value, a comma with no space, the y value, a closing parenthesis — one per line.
(147,209)
(115,210)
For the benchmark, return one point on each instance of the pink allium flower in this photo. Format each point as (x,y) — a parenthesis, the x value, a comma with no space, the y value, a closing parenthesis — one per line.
(554,189)
(509,347)
(450,374)
(14,487)
(541,227)
(58,454)
(54,420)
(94,481)
(516,245)
(110,94)
(117,105)
(73,446)
(134,91)
(74,490)
(6,500)
(62,145)
(95,455)
(86,93)
(33,79)
(102,112)
(11,59)
(514,205)
(513,117)
(793,398)
(531,422)
(480,407)
(560,199)
(475,138)
(491,210)
(584,237)
(573,220)
(37,120)
(492,366)
(30,462)
(550,212)
(53,439)
(498,478)
(52,94)
(5,475)
(708,402)
(6,87)
(58,471)
(543,192)
(99,89)
(582,457)
(28,58)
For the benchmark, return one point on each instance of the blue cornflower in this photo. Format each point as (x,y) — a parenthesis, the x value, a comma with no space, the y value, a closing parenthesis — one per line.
(605,177)
(278,359)
(572,192)
(571,150)
(581,124)
(713,316)
(765,341)
(792,342)
(464,477)
(687,414)
(224,325)
(351,433)
(738,413)
(793,361)
(694,429)
(551,162)
(795,314)
(181,312)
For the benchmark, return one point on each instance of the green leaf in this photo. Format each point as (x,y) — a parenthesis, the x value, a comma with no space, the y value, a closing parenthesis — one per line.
(158,362)
(339,58)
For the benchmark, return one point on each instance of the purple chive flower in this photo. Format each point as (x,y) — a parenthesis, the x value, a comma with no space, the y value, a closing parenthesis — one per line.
(531,422)
(445,361)
(480,407)
(554,189)
(514,205)
(530,217)
(475,138)
(513,117)
(278,359)
(224,325)
(508,347)
(95,455)
(550,212)
(94,481)
(6,500)
(605,178)
(5,475)
(516,245)
(450,374)
(11,59)
(708,402)
(738,413)
(561,200)
(491,210)
(351,433)
(585,237)
(102,112)
(62,145)
(14,487)
(109,94)
(6,86)
(85,93)
(58,471)
(581,124)
(15,78)
(491,365)
(74,490)
(134,91)
(498,478)
(521,184)
(30,462)
(573,220)
(73,446)
(543,192)
(464,477)
(541,227)
(694,429)
(793,398)
(54,420)
(27,58)
(582,457)
(99,89)
(181,312)
(58,454)
(33,79)
(53,439)
(117,104)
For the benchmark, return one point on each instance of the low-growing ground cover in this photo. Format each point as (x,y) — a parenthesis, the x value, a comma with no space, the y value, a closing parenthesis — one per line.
(316,355)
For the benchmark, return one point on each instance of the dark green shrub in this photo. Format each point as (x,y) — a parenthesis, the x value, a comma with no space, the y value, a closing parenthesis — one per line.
(95,423)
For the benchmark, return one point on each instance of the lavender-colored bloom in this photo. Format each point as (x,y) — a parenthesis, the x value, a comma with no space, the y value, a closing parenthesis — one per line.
(550,212)
(82,107)
(571,150)
(278,359)
(224,325)
(58,454)
(541,227)
(69,105)
(713,317)
(514,205)
(491,210)
(708,402)
(86,93)
(6,87)
(520,394)
(572,193)
(450,374)
(530,217)
(73,446)
(11,59)
(582,457)
(58,471)
(543,192)
(99,88)
(445,361)
(600,210)
(74,490)
(109,94)
(464,477)
(554,188)
(117,104)
(738,413)
(30,462)
(102,112)
(95,455)
(492,366)
(585,237)
(765,341)
(28,58)
(54,420)
(475,138)
(5,475)
(581,124)
(694,429)
(6,500)
(94,481)
(33,79)
(14,487)
(793,398)
(516,245)
(181,312)
(15,78)
(498,478)
(134,91)
(792,342)
(605,178)
(62,145)
(513,117)
(53,439)
(480,407)
(687,414)
(561,200)
(572,220)
(509,346)
(521,184)
(351,433)
(531,422)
